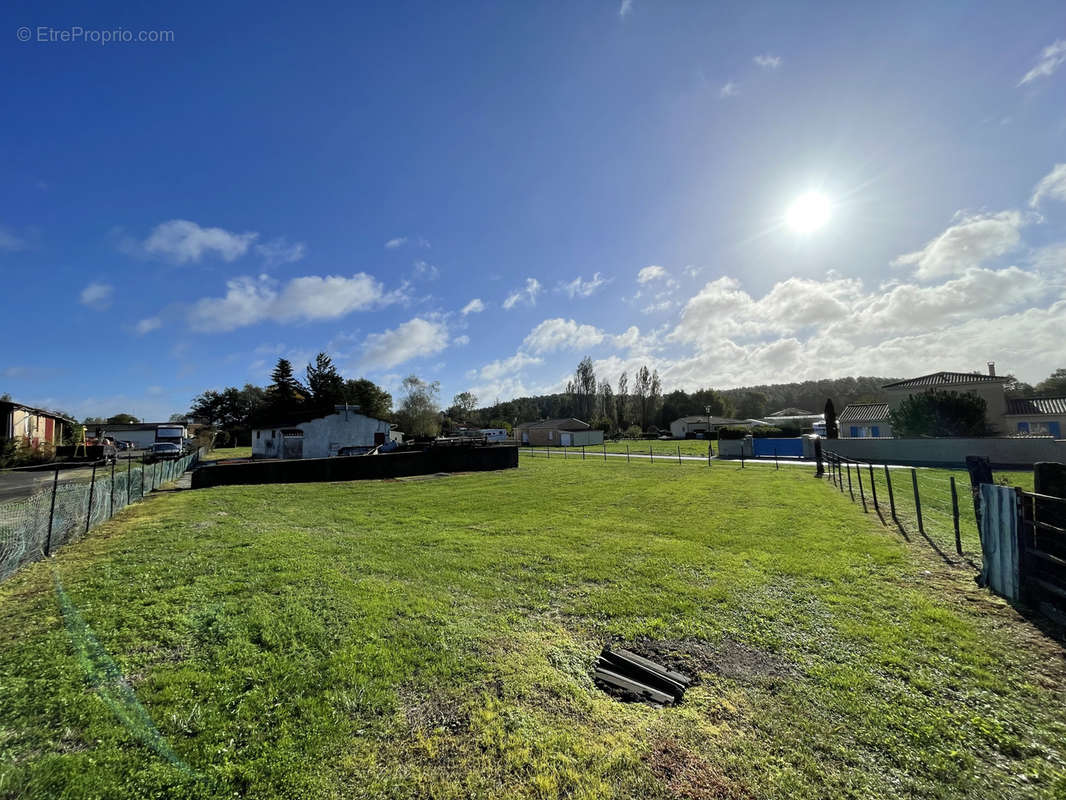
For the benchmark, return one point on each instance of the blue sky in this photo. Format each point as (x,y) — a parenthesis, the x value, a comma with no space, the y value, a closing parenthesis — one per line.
(481,194)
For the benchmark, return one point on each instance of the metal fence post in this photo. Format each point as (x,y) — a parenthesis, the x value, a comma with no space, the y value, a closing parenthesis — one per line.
(627,453)
(142,480)
(651,453)
(111,510)
(679,454)
(862,494)
(955,516)
(776,465)
(564,453)
(605,451)
(129,477)
(51,514)
(92,491)
(917,499)
(891,497)
(873,488)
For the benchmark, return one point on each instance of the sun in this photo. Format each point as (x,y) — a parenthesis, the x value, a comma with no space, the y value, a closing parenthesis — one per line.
(808,213)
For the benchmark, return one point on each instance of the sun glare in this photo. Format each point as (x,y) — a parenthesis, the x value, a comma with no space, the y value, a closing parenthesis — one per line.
(808,212)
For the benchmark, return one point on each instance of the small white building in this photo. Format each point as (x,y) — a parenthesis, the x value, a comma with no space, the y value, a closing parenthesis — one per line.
(697,426)
(321,437)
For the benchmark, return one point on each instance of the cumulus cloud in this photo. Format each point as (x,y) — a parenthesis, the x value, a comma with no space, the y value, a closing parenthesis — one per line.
(97,296)
(147,325)
(526,295)
(475,306)
(250,300)
(1052,185)
(280,251)
(768,61)
(626,8)
(560,334)
(729,89)
(416,337)
(582,288)
(182,241)
(652,273)
(460,341)
(1050,59)
(971,241)
(399,241)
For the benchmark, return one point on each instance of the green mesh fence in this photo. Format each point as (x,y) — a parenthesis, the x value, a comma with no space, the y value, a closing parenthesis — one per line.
(36,525)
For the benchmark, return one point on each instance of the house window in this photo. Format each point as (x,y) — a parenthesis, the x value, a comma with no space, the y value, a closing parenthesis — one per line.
(1023,427)
(1054,429)
(855,432)
(875,432)
(272,433)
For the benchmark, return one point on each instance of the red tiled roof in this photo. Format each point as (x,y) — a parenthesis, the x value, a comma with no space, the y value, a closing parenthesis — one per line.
(945,379)
(1036,405)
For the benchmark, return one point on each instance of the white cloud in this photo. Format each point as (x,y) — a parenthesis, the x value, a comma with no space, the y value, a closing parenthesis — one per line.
(475,306)
(423,269)
(971,241)
(652,273)
(183,241)
(729,89)
(250,300)
(768,61)
(582,288)
(1049,60)
(561,334)
(147,325)
(280,251)
(461,341)
(399,241)
(659,307)
(626,8)
(526,295)
(502,368)
(416,337)
(1052,185)
(97,296)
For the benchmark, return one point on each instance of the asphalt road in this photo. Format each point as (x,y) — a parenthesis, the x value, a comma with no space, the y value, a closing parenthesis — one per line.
(17,484)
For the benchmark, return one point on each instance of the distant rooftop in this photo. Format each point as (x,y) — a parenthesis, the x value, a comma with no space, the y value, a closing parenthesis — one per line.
(1036,405)
(864,412)
(793,412)
(945,379)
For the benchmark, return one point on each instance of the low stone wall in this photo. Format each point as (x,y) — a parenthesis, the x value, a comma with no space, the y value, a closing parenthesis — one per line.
(354,468)
(1002,452)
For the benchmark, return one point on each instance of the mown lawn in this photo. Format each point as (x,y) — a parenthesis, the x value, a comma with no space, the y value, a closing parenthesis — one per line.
(434,638)
(220,453)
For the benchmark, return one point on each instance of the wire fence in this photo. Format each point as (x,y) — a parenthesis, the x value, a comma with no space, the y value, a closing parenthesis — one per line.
(930,504)
(32,527)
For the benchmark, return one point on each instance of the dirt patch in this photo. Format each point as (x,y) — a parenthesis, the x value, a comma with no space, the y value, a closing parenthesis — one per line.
(688,776)
(727,658)
(431,712)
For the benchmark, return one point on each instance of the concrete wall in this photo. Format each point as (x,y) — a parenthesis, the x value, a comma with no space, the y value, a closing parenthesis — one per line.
(323,437)
(1001,452)
(350,468)
(553,437)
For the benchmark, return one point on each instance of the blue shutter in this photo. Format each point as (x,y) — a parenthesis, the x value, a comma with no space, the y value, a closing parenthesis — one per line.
(1023,427)
(854,432)
(1054,429)
(875,432)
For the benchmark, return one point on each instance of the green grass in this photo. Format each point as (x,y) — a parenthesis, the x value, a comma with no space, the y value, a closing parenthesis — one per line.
(220,453)
(934,490)
(689,447)
(433,638)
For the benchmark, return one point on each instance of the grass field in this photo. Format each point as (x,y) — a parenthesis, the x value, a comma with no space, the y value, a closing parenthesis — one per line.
(433,638)
(220,453)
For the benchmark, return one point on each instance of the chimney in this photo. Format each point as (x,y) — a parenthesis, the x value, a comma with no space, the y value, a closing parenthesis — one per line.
(992,368)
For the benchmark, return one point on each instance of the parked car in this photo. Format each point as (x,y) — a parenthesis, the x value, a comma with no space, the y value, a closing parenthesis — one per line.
(163,451)
(110,453)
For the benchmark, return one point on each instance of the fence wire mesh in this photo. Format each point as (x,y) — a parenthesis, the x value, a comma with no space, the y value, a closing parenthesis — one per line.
(34,526)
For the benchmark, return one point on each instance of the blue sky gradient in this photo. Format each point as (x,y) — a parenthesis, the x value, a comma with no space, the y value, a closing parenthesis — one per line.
(602,178)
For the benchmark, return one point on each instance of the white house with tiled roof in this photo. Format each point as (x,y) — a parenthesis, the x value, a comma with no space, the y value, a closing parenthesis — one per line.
(987,386)
(1006,416)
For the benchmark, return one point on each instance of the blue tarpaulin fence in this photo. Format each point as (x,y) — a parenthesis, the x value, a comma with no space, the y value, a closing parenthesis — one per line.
(783,448)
